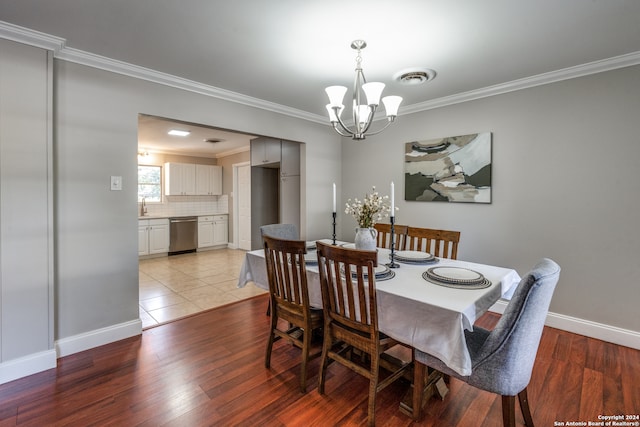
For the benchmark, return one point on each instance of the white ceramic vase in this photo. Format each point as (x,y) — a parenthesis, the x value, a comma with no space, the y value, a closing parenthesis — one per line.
(366,239)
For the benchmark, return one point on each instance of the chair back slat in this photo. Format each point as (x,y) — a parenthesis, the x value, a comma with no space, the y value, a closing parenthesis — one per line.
(383,240)
(441,243)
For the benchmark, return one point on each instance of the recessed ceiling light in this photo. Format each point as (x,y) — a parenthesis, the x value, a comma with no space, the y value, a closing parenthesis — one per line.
(177,132)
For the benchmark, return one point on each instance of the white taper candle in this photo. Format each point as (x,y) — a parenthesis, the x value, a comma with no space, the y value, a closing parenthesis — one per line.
(393,203)
(334,197)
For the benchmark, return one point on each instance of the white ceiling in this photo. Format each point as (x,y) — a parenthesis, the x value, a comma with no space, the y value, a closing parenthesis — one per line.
(284,52)
(153,137)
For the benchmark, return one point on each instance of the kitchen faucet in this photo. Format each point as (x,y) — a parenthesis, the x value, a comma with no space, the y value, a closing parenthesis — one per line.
(143,207)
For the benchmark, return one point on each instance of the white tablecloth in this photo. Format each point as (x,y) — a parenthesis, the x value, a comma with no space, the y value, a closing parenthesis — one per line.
(424,315)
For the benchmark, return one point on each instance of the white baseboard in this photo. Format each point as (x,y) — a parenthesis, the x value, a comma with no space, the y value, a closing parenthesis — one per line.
(587,328)
(28,365)
(86,341)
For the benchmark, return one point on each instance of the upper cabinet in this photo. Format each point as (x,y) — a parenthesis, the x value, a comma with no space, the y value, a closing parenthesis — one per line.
(265,152)
(290,159)
(179,179)
(187,179)
(208,180)
(275,153)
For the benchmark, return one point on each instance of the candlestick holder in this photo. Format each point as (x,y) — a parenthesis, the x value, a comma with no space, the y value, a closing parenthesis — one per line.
(393,264)
(334,228)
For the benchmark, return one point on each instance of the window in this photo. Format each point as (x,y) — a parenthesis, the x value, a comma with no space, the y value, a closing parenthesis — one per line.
(149,183)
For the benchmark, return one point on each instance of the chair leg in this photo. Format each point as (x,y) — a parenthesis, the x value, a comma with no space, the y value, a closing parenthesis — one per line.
(306,344)
(373,389)
(524,406)
(267,359)
(324,359)
(509,411)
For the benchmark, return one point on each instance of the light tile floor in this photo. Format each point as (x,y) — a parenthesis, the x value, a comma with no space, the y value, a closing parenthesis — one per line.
(181,285)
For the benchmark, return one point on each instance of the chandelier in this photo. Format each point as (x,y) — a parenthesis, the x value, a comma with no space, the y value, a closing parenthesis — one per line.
(363,113)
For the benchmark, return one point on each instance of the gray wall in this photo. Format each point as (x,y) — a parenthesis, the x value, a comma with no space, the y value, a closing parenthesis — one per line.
(26,222)
(96,137)
(565,185)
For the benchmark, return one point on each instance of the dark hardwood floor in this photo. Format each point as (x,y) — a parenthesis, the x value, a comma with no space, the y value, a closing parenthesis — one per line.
(209,370)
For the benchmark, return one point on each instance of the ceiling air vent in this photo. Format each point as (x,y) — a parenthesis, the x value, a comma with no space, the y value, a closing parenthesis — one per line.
(213,140)
(415,76)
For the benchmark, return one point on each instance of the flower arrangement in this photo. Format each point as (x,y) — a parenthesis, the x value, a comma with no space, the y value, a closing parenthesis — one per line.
(369,211)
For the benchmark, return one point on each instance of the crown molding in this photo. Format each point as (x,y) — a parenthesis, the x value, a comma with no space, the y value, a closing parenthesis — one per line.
(595,67)
(31,37)
(232,152)
(60,51)
(119,67)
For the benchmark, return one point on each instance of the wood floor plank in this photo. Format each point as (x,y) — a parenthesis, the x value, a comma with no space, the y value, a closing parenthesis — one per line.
(208,369)
(591,395)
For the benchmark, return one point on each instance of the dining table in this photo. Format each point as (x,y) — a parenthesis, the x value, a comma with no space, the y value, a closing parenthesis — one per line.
(427,315)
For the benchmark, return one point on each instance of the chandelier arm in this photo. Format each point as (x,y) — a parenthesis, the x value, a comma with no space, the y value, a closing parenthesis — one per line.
(389,121)
(342,125)
(372,113)
(335,127)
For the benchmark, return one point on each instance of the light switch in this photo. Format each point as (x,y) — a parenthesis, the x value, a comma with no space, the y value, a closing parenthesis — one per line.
(116,183)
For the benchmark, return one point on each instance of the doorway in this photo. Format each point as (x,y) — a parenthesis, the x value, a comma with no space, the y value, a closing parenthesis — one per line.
(171,287)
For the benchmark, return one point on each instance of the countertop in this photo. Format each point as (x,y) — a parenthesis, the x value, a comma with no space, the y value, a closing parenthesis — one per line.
(179,216)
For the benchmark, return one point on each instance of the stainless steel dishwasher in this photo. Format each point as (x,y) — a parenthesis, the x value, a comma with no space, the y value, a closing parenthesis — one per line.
(183,234)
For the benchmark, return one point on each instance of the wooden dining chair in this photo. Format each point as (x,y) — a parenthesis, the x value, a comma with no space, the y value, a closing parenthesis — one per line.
(441,243)
(281,231)
(289,297)
(502,359)
(384,235)
(351,317)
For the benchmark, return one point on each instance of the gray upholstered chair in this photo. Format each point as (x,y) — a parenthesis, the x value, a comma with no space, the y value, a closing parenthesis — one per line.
(502,359)
(280,231)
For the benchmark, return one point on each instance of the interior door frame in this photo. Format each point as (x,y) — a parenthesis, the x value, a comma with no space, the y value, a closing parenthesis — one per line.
(236,221)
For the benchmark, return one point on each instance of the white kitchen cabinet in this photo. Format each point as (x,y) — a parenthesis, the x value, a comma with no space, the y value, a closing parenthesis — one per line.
(208,180)
(143,237)
(205,231)
(213,231)
(153,236)
(220,230)
(290,158)
(265,152)
(179,179)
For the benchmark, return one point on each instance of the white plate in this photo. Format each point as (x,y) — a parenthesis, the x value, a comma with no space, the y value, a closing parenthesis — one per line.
(456,273)
(348,245)
(413,255)
(311,258)
(378,271)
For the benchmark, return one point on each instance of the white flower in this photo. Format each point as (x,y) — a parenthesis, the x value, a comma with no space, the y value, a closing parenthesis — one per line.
(369,211)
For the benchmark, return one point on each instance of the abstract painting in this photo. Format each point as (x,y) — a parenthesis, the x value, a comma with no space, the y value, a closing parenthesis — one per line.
(452,169)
